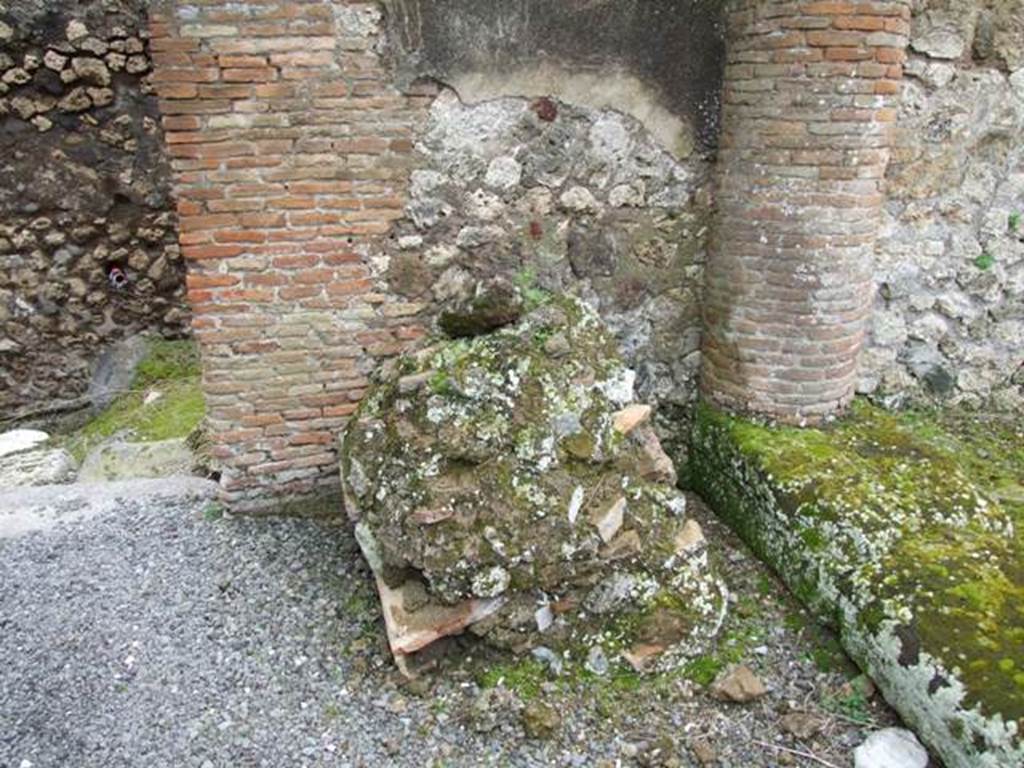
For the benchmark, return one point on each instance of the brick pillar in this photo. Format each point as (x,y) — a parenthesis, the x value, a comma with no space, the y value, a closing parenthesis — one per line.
(809,101)
(291,152)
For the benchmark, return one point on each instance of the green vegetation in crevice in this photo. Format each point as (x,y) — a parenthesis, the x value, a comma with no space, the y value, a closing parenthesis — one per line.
(170,368)
(915,518)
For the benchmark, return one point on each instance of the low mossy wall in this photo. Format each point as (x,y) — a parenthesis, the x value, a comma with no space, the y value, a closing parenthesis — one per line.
(886,529)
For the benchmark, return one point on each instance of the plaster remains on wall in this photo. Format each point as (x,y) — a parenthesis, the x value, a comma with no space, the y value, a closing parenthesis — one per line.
(563,198)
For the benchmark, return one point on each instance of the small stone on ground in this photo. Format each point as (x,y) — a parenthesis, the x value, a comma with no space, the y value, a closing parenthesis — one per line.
(891,748)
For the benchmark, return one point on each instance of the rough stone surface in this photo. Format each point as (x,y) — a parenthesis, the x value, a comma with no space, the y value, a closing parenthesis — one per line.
(499,488)
(84,190)
(949,316)
(37,466)
(301,273)
(565,224)
(905,538)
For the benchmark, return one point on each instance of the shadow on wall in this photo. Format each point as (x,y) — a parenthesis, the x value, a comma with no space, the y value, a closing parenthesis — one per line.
(659,61)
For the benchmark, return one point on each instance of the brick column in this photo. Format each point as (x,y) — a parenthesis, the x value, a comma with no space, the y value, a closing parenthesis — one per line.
(291,156)
(809,101)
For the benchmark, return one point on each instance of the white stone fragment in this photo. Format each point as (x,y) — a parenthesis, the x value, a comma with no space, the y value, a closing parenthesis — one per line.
(21,440)
(610,520)
(544,617)
(76,30)
(890,748)
(491,582)
(619,388)
(575,503)
(54,60)
(503,173)
(578,199)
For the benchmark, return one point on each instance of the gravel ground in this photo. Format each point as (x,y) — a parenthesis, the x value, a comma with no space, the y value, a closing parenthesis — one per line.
(153,632)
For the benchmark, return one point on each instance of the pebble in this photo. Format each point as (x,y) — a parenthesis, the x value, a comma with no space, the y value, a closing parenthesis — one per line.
(738,684)
(704,752)
(802,724)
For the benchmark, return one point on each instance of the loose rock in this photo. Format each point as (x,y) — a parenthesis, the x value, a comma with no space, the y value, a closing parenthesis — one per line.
(540,721)
(738,684)
(891,748)
(803,725)
(487,478)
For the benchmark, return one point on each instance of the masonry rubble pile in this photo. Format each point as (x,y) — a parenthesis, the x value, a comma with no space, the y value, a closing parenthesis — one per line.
(510,484)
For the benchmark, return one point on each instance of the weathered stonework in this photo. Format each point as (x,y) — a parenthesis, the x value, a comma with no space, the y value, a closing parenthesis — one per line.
(571,200)
(84,195)
(949,317)
(808,106)
(334,204)
(658,61)
(509,483)
(910,552)
(293,138)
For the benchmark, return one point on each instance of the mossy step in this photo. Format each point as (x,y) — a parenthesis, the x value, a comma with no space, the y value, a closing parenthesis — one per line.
(898,530)
(170,374)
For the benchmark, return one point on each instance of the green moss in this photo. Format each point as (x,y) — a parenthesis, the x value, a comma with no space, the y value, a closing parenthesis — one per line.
(168,360)
(171,368)
(524,676)
(907,515)
(703,669)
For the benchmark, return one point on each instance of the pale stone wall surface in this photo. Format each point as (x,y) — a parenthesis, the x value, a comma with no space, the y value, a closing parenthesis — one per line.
(949,316)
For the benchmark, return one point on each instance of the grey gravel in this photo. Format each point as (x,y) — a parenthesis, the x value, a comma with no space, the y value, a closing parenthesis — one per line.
(151,634)
(142,628)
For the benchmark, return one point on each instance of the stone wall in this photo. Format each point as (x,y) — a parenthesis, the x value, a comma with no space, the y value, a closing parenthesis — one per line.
(84,193)
(808,107)
(560,198)
(331,201)
(330,205)
(949,317)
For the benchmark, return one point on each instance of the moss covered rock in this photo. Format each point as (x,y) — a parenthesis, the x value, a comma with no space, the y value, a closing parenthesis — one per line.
(510,482)
(906,537)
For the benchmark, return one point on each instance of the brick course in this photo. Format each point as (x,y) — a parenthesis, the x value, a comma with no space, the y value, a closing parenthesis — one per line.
(291,153)
(292,149)
(808,105)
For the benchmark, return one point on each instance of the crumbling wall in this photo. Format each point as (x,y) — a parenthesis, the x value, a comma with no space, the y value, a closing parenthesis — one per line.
(949,316)
(329,205)
(572,153)
(84,193)
(561,198)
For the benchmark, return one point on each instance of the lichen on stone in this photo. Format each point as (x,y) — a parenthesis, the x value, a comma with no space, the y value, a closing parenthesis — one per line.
(891,531)
(501,468)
